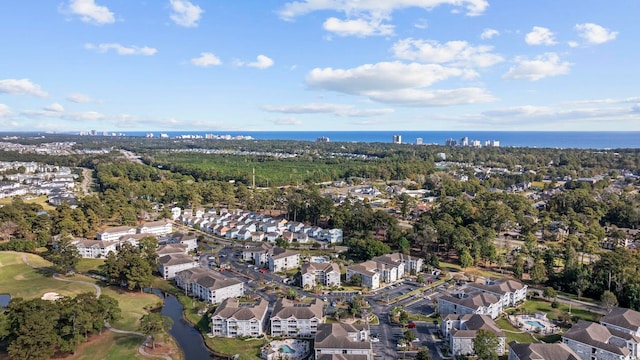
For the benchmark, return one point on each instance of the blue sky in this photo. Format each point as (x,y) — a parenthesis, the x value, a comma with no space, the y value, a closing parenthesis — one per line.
(251,65)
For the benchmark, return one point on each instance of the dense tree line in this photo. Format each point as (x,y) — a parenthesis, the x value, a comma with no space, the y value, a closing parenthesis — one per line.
(132,266)
(37,329)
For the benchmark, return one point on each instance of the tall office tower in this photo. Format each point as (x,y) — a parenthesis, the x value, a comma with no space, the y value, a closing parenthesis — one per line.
(397,139)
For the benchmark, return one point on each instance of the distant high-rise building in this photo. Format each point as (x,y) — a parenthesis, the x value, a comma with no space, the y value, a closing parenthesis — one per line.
(464,141)
(450,142)
(397,139)
(495,143)
(476,143)
(418,141)
(94,132)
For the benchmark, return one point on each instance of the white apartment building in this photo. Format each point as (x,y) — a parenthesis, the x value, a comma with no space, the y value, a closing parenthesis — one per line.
(209,286)
(233,318)
(291,319)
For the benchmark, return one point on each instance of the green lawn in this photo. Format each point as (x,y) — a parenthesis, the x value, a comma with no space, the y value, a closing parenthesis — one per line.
(40,200)
(247,349)
(111,346)
(20,280)
(512,333)
(533,306)
(132,306)
(86,265)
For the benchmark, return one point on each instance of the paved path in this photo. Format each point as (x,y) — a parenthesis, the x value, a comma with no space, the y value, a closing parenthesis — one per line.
(141,348)
(87,177)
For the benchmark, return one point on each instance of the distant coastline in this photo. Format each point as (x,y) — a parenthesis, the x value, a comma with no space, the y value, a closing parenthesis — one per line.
(533,139)
(539,139)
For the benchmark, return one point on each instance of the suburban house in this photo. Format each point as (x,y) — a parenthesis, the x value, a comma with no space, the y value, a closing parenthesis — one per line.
(169,265)
(233,318)
(407,262)
(460,330)
(343,341)
(470,303)
(331,236)
(114,233)
(541,351)
(280,259)
(321,273)
(162,227)
(293,319)
(93,249)
(209,286)
(510,292)
(622,319)
(594,341)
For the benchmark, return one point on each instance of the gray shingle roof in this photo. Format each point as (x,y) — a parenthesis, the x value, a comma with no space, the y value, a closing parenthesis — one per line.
(543,351)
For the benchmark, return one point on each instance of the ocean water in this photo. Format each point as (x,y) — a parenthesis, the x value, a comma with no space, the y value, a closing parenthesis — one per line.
(534,139)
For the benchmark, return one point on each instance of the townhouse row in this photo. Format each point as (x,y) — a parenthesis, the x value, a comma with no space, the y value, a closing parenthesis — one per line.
(247,225)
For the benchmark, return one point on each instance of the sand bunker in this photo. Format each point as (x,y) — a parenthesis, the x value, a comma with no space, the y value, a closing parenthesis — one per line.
(51,296)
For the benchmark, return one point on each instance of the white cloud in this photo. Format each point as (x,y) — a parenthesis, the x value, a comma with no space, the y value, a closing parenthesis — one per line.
(542,66)
(382,76)
(400,84)
(552,113)
(121,49)
(489,33)
(262,62)
(90,12)
(4,111)
(326,108)
(540,36)
(21,87)
(185,13)
(55,107)
(458,53)
(290,120)
(297,8)
(573,44)
(206,59)
(357,27)
(431,98)
(81,98)
(595,34)
(421,24)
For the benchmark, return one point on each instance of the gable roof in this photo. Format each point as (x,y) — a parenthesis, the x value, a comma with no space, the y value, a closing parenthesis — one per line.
(624,318)
(175,259)
(472,300)
(501,287)
(335,336)
(232,308)
(596,335)
(285,308)
(543,351)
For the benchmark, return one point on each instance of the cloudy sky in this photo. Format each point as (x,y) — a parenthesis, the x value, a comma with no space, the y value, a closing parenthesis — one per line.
(250,65)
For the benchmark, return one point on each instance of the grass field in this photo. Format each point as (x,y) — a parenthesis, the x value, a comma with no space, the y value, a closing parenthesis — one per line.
(246,349)
(86,265)
(514,334)
(41,200)
(20,280)
(533,306)
(110,346)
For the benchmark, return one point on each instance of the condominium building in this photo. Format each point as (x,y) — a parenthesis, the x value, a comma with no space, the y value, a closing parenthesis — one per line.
(294,319)
(234,318)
